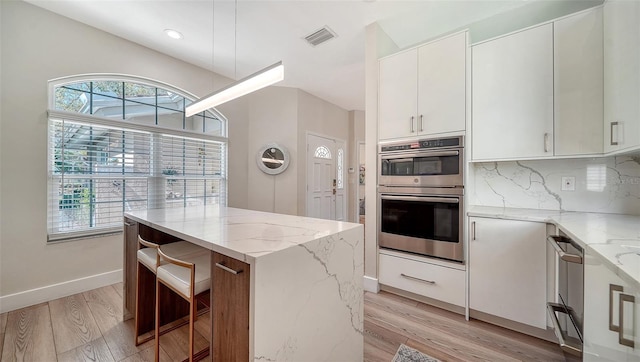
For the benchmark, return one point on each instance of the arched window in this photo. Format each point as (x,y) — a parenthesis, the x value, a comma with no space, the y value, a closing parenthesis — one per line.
(121,143)
(322,152)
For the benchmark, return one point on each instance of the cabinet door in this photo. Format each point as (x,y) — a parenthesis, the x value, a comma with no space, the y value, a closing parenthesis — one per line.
(441,85)
(507,270)
(634,354)
(578,74)
(129,268)
(621,75)
(602,292)
(398,99)
(512,93)
(230,308)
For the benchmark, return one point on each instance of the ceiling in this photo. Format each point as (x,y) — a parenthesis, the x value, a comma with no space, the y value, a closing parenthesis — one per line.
(246,36)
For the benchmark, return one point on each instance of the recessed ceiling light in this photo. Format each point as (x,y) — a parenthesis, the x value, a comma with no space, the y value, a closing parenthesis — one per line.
(173,34)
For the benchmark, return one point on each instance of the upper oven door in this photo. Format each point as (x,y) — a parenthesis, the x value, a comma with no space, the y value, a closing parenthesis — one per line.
(423,169)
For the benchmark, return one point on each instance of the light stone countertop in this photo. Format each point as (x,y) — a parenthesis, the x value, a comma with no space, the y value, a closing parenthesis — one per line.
(241,234)
(613,237)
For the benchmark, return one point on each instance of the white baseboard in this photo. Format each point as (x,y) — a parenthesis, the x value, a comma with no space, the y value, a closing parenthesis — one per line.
(371,284)
(50,292)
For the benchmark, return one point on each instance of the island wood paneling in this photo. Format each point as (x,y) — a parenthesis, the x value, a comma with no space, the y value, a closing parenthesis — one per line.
(230,308)
(129,267)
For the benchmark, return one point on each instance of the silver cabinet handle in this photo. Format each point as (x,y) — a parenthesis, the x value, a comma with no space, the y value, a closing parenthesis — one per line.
(613,288)
(555,242)
(128,224)
(546,142)
(226,268)
(552,308)
(611,138)
(624,341)
(421,129)
(418,279)
(473,230)
(412,130)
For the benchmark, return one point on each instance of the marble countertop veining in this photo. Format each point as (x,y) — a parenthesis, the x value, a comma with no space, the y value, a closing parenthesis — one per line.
(614,237)
(241,234)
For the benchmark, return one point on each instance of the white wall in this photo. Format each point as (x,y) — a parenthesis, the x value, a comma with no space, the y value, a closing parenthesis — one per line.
(37,46)
(377,44)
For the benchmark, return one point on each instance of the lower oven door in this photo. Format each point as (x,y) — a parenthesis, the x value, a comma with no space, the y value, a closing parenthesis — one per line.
(426,225)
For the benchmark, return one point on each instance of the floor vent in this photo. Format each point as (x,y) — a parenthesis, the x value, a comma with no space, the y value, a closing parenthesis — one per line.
(320,36)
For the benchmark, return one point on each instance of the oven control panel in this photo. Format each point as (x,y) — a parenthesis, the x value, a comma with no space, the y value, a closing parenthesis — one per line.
(423,144)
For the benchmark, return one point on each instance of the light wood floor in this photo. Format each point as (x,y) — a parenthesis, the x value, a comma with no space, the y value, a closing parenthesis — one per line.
(89,327)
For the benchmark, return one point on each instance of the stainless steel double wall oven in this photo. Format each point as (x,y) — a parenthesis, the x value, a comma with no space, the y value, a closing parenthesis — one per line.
(421,197)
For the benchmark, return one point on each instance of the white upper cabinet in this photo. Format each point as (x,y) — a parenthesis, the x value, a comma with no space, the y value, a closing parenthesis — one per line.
(398,95)
(442,85)
(422,90)
(578,84)
(621,75)
(512,90)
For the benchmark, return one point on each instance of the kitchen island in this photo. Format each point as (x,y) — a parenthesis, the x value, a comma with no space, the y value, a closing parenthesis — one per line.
(298,294)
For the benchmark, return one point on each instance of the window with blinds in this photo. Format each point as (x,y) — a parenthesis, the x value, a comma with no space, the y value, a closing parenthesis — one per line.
(101,167)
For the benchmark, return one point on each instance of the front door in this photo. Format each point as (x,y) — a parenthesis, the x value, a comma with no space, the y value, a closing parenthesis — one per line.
(325,178)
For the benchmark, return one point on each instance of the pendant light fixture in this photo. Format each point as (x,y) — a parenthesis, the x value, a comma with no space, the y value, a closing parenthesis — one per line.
(258,80)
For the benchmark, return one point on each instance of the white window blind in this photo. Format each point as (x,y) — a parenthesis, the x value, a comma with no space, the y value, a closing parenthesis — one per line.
(97,172)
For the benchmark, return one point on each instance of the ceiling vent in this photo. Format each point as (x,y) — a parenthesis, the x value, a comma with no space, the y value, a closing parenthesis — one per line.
(320,36)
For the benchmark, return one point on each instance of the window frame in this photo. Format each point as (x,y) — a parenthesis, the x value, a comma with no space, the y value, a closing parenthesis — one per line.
(122,124)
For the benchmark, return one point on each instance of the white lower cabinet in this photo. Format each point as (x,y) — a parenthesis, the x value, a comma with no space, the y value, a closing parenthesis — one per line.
(508,269)
(429,280)
(611,314)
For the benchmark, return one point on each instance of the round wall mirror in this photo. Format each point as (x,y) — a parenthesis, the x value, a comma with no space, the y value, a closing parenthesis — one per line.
(272,159)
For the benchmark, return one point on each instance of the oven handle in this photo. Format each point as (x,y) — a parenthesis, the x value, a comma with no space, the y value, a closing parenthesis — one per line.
(571,258)
(403,154)
(446,200)
(552,308)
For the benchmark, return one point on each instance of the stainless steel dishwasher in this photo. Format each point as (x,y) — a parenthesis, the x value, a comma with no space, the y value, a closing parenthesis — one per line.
(567,313)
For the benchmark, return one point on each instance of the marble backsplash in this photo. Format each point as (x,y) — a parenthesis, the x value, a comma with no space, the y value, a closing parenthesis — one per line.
(608,184)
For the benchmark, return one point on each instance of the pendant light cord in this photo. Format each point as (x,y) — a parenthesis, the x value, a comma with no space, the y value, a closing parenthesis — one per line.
(235,41)
(213,44)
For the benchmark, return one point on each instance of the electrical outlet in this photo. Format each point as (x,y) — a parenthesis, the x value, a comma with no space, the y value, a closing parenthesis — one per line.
(568,183)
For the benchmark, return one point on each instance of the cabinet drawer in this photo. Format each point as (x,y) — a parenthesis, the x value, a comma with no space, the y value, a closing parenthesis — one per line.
(429,280)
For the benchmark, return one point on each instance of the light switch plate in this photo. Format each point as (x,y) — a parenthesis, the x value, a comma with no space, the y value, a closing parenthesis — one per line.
(568,183)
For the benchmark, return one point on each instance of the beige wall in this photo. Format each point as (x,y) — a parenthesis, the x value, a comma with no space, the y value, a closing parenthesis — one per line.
(356,135)
(273,118)
(37,46)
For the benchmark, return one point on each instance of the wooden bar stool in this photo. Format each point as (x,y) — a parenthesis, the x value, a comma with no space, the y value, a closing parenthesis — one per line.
(189,277)
(148,258)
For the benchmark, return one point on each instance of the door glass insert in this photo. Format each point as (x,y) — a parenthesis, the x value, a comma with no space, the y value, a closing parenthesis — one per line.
(322,152)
